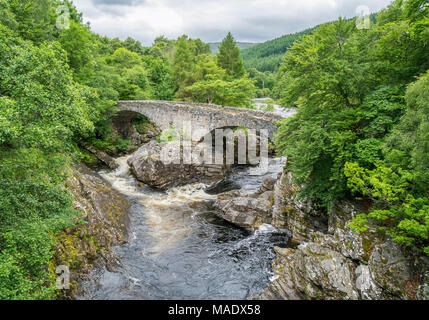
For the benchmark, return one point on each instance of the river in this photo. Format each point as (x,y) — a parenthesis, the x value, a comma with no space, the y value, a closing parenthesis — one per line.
(179,249)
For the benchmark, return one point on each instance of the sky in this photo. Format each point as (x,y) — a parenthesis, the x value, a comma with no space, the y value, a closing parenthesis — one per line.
(211,20)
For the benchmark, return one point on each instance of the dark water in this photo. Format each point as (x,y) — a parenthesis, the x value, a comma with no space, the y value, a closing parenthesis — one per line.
(180,250)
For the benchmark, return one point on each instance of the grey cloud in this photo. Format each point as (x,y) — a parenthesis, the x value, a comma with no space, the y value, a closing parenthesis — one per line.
(118,2)
(210,20)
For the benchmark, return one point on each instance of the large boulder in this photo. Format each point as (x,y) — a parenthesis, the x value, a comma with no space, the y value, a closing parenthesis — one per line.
(149,165)
(246,212)
(225,185)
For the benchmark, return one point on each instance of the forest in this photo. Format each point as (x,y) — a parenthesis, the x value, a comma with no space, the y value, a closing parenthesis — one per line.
(361,129)
(263,60)
(362,125)
(58,89)
(267,56)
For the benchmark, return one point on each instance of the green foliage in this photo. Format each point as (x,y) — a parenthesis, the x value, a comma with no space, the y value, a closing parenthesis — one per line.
(183,64)
(43,117)
(359,130)
(161,78)
(408,145)
(200,78)
(229,57)
(76,41)
(397,211)
(264,81)
(43,112)
(31,19)
(267,56)
(236,93)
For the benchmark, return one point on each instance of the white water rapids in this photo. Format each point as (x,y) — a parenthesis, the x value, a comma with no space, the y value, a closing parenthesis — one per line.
(179,249)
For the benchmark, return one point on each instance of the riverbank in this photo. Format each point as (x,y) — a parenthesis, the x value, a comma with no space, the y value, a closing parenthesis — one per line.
(179,249)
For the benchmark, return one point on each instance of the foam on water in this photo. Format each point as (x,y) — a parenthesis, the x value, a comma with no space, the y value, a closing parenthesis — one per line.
(179,249)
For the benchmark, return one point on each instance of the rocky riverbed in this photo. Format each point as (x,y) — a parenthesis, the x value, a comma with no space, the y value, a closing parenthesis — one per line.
(215,232)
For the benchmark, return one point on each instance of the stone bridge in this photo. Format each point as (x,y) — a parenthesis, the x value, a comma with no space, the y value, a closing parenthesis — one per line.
(203,118)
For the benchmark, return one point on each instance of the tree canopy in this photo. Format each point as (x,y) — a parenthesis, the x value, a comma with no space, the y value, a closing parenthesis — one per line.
(360,129)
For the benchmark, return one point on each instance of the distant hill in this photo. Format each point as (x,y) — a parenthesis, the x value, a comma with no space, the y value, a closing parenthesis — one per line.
(214,47)
(267,56)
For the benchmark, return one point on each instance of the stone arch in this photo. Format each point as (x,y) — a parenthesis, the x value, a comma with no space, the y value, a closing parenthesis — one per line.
(200,118)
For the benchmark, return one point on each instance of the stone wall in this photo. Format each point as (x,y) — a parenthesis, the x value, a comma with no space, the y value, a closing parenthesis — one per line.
(203,118)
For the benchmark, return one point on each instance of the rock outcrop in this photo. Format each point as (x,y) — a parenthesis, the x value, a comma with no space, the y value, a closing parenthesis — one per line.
(247,211)
(148,165)
(103,224)
(295,214)
(102,156)
(331,261)
(313,272)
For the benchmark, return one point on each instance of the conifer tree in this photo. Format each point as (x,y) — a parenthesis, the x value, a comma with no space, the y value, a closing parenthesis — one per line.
(229,57)
(183,63)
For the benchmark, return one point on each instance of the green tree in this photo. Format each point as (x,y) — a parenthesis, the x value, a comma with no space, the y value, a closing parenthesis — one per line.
(45,112)
(229,57)
(77,41)
(183,65)
(236,93)
(31,19)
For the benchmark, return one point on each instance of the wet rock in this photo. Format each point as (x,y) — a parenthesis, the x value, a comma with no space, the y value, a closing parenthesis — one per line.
(149,165)
(268,185)
(279,207)
(222,186)
(246,212)
(282,287)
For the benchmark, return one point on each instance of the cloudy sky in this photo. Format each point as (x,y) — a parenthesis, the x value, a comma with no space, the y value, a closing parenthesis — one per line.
(210,20)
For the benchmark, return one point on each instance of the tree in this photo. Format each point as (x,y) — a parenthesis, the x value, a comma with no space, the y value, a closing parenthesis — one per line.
(161,77)
(183,64)
(207,69)
(359,131)
(43,112)
(77,42)
(236,93)
(398,185)
(229,57)
(31,19)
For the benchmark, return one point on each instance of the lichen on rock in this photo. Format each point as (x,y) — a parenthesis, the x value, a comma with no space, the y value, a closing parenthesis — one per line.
(103,224)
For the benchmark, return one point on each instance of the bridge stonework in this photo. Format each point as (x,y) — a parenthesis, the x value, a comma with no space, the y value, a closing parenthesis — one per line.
(203,118)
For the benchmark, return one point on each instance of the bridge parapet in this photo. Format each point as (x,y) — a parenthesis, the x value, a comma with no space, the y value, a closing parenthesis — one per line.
(203,118)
